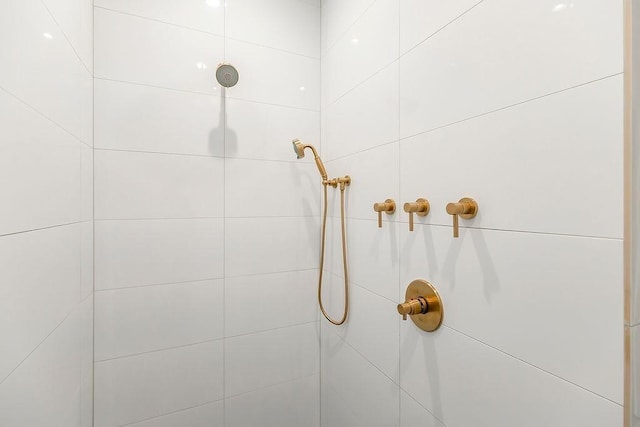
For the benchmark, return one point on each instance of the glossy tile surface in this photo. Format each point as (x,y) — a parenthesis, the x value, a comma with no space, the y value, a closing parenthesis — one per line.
(183,250)
(207,415)
(140,387)
(144,185)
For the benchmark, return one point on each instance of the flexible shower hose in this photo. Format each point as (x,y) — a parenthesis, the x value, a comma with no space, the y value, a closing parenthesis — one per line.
(344,258)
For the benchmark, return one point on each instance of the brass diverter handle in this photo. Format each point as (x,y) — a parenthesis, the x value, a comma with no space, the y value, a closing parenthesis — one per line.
(466,208)
(420,207)
(388,207)
(423,304)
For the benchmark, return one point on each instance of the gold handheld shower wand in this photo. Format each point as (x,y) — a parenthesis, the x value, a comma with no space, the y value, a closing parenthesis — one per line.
(344,181)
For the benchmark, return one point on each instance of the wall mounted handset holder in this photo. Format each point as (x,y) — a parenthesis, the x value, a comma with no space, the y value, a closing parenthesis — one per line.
(423,304)
(420,207)
(466,208)
(388,207)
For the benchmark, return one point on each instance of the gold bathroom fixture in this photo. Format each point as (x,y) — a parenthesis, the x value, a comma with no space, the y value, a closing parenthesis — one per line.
(420,207)
(343,182)
(423,304)
(466,208)
(388,207)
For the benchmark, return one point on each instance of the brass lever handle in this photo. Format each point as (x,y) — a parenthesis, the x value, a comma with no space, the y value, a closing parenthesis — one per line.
(388,207)
(420,207)
(466,208)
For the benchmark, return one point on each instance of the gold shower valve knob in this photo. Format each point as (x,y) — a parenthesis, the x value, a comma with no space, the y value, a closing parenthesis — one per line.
(423,304)
(388,207)
(420,207)
(466,208)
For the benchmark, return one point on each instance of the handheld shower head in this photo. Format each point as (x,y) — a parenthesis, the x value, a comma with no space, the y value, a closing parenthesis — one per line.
(299,147)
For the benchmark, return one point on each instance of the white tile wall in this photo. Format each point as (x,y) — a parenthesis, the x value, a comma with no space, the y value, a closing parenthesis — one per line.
(471,67)
(138,320)
(338,16)
(142,118)
(207,415)
(207,16)
(272,310)
(149,252)
(145,185)
(75,19)
(138,50)
(290,25)
(272,357)
(265,407)
(140,387)
(411,413)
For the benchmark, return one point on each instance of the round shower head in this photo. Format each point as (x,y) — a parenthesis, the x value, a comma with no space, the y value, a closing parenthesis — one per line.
(298,148)
(227,75)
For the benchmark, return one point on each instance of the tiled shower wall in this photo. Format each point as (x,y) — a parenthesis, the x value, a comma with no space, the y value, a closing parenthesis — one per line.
(206,225)
(46,214)
(518,105)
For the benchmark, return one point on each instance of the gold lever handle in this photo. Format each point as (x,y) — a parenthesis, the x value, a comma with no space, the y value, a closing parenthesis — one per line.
(412,307)
(388,207)
(466,208)
(420,207)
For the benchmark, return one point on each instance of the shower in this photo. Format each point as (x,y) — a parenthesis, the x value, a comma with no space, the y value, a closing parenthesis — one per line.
(344,181)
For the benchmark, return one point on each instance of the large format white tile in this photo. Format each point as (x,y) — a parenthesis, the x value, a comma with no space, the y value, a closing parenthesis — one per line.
(365,117)
(41,170)
(138,320)
(262,131)
(51,387)
(148,185)
(289,25)
(273,76)
(136,388)
(142,118)
(207,415)
(290,404)
(75,18)
(148,252)
(524,293)
(272,357)
(367,47)
(138,50)
(267,188)
(45,72)
(484,62)
(275,293)
(372,329)
(420,19)
(531,167)
(203,15)
(270,245)
(338,16)
(412,414)
(354,392)
(464,382)
(40,275)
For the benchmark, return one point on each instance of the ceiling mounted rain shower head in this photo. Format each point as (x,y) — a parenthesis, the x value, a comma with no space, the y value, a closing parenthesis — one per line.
(227,75)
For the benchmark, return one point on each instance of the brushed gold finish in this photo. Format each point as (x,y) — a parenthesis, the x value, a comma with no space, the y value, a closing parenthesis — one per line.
(299,148)
(466,208)
(343,182)
(388,207)
(423,304)
(420,207)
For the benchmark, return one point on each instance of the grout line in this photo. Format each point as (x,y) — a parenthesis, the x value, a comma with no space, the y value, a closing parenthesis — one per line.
(423,407)
(261,388)
(236,98)
(315,58)
(161,153)
(499,230)
(43,228)
(93,214)
(158,284)
(441,28)
(277,328)
(346,31)
(146,18)
(223,114)
(172,413)
(530,364)
(142,353)
(160,219)
(402,138)
(66,37)
(68,132)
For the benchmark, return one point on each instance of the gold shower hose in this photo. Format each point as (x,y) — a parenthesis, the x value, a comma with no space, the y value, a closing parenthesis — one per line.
(344,258)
